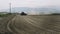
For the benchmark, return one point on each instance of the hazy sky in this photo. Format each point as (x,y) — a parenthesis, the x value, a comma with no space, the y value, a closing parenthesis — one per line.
(4,4)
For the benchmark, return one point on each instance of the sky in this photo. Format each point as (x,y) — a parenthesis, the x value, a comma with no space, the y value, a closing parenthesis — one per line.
(4,4)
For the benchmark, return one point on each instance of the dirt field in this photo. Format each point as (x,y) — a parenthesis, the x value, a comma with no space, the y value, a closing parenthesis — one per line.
(35,24)
(30,24)
(3,24)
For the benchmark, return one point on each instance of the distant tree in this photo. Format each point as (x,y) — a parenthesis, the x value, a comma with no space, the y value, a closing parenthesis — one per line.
(55,13)
(22,13)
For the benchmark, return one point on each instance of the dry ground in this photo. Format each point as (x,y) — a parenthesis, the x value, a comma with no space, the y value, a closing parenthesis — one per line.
(3,24)
(36,24)
(48,24)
